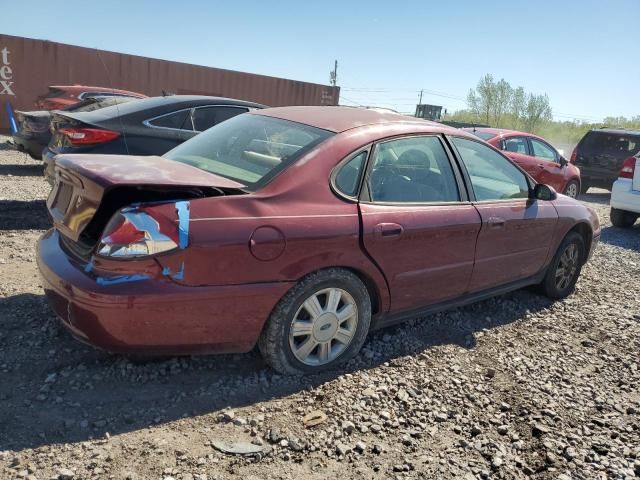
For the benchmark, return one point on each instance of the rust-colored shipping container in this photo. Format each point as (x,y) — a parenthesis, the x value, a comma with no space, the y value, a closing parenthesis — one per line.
(29,66)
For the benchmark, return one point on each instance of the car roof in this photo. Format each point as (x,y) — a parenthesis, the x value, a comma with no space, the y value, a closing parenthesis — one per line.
(158,106)
(339,119)
(98,89)
(616,131)
(499,131)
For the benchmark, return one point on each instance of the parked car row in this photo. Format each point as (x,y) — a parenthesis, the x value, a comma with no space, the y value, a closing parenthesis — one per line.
(536,156)
(296,229)
(78,119)
(34,133)
(152,126)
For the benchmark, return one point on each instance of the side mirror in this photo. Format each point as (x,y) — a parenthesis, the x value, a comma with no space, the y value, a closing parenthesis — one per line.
(544,192)
(563,161)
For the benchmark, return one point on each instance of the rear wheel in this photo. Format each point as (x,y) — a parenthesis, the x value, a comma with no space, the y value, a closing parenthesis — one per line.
(564,270)
(320,323)
(622,218)
(572,189)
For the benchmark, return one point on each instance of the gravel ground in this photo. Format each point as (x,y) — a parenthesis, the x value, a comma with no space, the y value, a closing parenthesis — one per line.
(512,387)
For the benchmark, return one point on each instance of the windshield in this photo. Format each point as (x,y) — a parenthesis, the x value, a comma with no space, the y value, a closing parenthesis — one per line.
(250,149)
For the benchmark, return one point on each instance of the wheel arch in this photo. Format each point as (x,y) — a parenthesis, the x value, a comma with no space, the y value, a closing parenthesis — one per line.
(585,231)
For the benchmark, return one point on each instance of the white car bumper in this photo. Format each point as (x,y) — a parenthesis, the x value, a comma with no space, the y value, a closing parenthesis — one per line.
(624,197)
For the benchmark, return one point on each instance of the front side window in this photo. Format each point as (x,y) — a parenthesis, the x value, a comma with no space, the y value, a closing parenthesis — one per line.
(415,169)
(515,145)
(542,150)
(250,149)
(493,177)
(180,120)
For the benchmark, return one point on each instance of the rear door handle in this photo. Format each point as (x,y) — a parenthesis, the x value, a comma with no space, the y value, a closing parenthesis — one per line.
(387,230)
(496,222)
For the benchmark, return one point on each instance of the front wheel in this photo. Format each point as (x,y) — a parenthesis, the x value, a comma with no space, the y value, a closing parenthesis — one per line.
(622,218)
(320,323)
(564,270)
(572,189)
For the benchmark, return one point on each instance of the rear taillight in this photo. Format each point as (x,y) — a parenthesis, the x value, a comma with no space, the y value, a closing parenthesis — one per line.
(574,155)
(88,136)
(135,232)
(628,168)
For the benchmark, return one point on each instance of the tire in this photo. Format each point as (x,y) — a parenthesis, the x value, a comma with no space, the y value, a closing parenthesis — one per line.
(283,351)
(584,187)
(555,287)
(572,189)
(622,218)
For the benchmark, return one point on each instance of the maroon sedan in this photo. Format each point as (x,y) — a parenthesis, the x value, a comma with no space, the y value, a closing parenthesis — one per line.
(299,229)
(534,154)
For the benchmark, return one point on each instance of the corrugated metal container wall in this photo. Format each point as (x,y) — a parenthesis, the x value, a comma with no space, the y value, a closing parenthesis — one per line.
(28,67)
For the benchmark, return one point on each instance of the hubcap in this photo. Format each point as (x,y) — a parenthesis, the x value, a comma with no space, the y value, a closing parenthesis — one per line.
(323,326)
(572,190)
(567,267)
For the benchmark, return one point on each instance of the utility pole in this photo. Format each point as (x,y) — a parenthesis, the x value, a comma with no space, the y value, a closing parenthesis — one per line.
(420,99)
(333,75)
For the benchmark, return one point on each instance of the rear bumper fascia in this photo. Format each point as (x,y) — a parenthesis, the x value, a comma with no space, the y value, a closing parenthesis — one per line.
(153,315)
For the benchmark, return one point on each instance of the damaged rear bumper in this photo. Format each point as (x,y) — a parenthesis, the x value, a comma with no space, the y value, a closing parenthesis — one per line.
(153,314)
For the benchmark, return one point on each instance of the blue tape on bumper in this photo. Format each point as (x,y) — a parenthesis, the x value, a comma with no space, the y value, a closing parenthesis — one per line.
(183,223)
(121,279)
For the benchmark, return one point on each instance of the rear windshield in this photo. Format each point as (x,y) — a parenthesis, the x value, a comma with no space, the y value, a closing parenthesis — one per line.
(607,143)
(483,135)
(250,149)
(54,93)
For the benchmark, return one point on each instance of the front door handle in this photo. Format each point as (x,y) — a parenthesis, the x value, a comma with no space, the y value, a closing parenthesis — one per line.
(496,222)
(387,230)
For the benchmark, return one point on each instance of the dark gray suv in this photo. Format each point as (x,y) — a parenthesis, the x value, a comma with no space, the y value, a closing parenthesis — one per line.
(601,153)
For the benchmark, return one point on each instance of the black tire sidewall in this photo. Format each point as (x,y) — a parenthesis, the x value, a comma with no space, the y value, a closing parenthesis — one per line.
(550,286)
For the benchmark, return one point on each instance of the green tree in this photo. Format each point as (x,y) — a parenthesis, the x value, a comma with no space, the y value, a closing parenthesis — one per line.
(501,100)
(536,110)
(518,105)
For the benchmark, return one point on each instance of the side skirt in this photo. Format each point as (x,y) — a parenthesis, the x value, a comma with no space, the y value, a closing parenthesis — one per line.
(393,318)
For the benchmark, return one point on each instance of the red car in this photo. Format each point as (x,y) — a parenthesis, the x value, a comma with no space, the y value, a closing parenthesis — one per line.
(534,154)
(62,96)
(299,229)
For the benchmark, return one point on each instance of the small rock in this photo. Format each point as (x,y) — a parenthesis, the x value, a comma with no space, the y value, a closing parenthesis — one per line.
(360,447)
(348,426)
(65,474)
(342,449)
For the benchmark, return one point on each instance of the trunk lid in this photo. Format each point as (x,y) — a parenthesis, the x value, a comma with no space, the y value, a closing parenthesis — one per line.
(89,189)
(36,122)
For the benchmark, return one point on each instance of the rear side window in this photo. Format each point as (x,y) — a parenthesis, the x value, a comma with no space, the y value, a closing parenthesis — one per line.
(516,145)
(613,144)
(179,120)
(412,170)
(493,177)
(348,178)
(206,117)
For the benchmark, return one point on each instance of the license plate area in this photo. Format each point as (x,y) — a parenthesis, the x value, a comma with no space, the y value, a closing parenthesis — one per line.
(636,177)
(61,200)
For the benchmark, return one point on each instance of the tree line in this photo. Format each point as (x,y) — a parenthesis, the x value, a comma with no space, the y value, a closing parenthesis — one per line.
(498,104)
